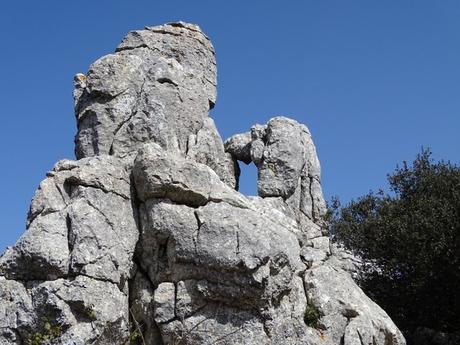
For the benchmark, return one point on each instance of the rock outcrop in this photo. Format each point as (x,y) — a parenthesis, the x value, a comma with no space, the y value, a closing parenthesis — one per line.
(145,238)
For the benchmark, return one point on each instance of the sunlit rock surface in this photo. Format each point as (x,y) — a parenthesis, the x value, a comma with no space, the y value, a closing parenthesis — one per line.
(145,239)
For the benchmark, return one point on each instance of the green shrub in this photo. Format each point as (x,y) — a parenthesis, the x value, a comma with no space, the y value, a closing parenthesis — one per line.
(409,240)
(312,316)
(48,331)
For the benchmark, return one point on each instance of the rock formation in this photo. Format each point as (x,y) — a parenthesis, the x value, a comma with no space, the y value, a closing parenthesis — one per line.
(145,239)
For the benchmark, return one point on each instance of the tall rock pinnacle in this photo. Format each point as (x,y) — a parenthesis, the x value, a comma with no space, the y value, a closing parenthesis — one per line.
(144,239)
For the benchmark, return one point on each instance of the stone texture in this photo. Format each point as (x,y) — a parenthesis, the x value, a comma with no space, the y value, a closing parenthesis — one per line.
(76,253)
(347,314)
(81,220)
(164,302)
(158,86)
(78,310)
(145,239)
(162,174)
(206,147)
(346,260)
(287,163)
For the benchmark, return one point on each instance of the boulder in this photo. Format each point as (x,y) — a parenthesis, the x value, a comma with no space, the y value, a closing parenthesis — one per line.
(144,239)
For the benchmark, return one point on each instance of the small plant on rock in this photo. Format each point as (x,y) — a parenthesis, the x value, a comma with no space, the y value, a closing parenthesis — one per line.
(47,332)
(312,316)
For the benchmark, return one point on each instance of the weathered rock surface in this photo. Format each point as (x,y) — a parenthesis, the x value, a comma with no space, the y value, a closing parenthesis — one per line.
(145,238)
(287,163)
(348,315)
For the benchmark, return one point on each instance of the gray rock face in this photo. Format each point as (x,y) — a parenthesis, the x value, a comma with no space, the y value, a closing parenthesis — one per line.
(206,147)
(145,239)
(348,315)
(158,86)
(67,276)
(287,163)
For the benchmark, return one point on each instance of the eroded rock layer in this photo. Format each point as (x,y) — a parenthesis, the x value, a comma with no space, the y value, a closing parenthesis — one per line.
(145,238)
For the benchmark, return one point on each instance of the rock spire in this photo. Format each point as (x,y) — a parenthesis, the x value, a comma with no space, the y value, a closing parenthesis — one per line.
(144,239)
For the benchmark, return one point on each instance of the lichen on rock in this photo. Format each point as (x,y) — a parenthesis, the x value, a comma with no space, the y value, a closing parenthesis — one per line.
(144,239)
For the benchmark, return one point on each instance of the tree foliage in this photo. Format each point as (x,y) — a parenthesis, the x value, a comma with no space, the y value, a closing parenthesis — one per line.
(409,240)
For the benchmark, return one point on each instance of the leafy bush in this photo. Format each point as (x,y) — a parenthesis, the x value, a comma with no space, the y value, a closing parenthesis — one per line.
(410,240)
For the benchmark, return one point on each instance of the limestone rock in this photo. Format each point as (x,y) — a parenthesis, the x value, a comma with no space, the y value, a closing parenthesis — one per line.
(347,314)
(239,146)
(80,239)
(346,260)
(158,86)
(287,163)
(145,239)
(206,147)
(161,174)
(77,310)
(164,303)
(81,220)
(141,302)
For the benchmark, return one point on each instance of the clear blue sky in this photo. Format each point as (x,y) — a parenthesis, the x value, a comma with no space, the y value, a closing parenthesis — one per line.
(373,80)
